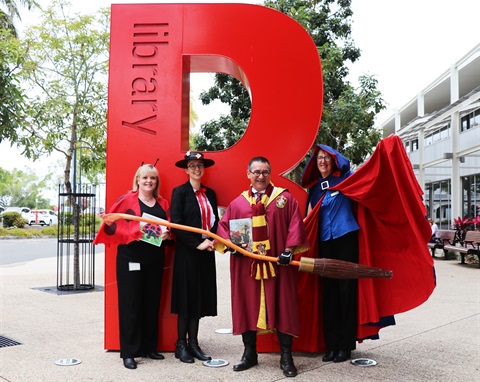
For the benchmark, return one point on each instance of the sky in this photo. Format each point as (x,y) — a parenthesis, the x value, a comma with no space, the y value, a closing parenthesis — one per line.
(405,44)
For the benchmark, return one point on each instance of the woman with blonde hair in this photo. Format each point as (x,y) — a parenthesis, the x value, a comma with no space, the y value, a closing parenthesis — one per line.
(140,263)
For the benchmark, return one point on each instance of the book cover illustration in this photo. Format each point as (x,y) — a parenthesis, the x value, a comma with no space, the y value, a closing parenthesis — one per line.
(241,233)
(152,233)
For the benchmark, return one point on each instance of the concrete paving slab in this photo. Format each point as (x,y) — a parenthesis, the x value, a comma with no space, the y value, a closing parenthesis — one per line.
(438,341)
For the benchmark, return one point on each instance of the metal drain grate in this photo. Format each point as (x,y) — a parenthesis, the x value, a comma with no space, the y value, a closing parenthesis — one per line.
(5,342)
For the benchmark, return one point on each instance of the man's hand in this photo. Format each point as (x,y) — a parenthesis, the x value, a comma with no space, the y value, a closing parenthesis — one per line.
(234,252)
(285,258)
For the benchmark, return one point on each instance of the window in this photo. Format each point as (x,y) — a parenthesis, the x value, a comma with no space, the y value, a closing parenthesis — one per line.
(464,123)
(445,132)
(428,140)
(415,145)
(439,202)
(476,118)
(470,120)
(471,196)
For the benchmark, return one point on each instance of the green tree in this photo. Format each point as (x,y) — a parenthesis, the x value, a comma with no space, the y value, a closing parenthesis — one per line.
(11,95)
(22,189)
(66,68)
(224,132)
(9,12)
(348,116)
(11,56)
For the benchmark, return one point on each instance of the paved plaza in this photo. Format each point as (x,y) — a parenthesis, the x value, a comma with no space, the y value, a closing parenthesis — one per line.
(438,341)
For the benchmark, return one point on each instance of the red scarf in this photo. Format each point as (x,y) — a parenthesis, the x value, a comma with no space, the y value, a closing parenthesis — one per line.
(261,244)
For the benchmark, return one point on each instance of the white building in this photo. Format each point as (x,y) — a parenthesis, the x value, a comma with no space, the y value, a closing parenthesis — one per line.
(440,129)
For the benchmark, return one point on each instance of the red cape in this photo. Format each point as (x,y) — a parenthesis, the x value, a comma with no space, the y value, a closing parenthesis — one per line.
(125,231)
(393,235)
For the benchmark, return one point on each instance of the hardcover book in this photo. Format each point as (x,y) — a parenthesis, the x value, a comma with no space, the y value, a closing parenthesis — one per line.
(152,233)
(241,233)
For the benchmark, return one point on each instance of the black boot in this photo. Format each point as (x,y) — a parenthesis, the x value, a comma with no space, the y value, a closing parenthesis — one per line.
(286,359)
(182,353)
(250,356)
(196,351)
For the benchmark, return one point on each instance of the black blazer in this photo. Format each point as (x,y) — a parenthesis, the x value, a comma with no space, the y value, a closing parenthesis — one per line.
(184,209)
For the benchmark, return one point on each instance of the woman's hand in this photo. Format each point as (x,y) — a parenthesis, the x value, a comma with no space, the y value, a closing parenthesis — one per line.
(206,245)
(166,235)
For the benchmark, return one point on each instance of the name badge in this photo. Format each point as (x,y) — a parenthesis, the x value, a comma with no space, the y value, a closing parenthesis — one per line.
(334,193)
(133,266)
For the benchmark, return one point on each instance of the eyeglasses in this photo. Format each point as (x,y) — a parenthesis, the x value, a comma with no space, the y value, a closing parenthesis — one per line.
(257,173)
(200,166)
(326,159)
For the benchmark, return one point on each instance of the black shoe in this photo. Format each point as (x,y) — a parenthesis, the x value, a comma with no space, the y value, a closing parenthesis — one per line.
(245,364)
(329,356)
(129,363)
(287,365)
(182,353)
(195,351)
(155,355)
(342,356)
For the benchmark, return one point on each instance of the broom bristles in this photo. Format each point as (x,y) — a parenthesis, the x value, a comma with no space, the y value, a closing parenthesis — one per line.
(339,269)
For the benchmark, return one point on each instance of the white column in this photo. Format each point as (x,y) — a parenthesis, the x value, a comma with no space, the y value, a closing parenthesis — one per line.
(421,158)
(456,183)
(455,125)
(398,122)
(454,88)
(420,104)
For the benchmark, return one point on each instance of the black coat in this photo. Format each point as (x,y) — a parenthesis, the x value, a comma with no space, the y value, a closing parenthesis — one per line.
(194,287)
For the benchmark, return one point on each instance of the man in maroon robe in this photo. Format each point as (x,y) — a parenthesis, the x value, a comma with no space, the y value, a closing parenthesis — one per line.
(264,294)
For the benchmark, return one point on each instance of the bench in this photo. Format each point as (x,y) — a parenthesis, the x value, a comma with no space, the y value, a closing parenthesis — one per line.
(471,246)
(445,237)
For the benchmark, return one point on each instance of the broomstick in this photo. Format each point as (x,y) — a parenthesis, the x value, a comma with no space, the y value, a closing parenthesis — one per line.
(330,268)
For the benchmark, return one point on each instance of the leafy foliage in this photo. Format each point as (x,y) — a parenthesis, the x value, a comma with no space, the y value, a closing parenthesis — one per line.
(348,118)
(22,189)
(462,225)
(11,95)
(9,12)
(13,219)
(227,130)
(66,68)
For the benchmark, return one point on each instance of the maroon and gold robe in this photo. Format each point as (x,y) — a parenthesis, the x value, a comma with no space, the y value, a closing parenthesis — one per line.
(286,229)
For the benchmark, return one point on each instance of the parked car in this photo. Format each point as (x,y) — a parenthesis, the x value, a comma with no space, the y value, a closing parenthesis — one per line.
(24,211)
(43,217)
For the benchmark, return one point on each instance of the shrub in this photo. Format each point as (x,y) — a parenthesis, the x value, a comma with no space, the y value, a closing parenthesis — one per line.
(50,231)
(19,232)
(20,222)
(66,218)
(13,219)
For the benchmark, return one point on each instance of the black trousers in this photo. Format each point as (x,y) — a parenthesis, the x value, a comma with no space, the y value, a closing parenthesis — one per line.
(340,296)
(139,294)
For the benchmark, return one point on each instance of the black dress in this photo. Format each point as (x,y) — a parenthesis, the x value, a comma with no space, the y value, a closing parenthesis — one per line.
(139,291)
(194,287)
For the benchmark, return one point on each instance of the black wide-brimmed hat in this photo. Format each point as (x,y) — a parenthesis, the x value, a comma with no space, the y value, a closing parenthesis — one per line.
(194,155)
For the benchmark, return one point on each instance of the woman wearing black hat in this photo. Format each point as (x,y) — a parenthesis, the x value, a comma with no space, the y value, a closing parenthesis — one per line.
(194,289)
